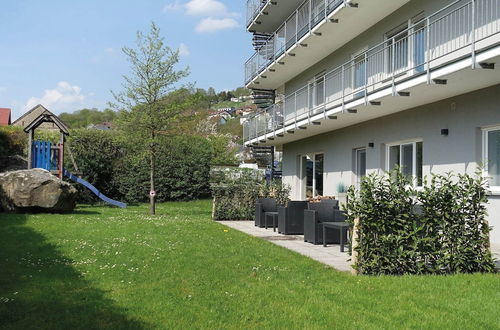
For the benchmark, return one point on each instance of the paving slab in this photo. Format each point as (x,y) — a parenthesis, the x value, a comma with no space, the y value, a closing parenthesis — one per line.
(330,255)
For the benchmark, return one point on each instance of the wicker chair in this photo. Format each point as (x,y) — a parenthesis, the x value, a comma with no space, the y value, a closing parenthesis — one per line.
(315,216)
(291,218)
(262,206)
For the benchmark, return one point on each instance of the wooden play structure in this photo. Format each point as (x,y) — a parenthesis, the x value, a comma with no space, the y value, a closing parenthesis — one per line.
(50,156)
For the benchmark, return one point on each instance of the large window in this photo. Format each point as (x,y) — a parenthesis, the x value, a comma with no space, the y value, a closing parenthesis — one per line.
(312,177)
(408,157)
(492,157)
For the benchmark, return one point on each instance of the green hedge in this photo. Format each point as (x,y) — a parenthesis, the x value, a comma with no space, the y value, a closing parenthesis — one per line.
(96,154)
(182,172)
(13,141)
(235,192)
(441,229)
(121,171)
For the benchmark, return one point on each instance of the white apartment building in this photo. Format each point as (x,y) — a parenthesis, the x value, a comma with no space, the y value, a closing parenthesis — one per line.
(364,85)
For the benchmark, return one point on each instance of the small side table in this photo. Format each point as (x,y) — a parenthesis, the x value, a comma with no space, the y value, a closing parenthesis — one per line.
(343,227)
(271,217)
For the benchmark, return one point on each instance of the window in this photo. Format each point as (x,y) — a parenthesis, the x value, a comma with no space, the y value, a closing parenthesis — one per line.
(318,174)
(409,158)
(491,156)
(312,175)
(360,166)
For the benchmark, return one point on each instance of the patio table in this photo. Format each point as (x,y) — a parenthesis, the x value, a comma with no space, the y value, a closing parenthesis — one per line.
(343,227)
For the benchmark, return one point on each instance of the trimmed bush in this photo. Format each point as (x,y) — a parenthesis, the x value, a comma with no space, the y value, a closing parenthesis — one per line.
(13,141)
(235,192)
(96,154)
(439,230)
(182,172)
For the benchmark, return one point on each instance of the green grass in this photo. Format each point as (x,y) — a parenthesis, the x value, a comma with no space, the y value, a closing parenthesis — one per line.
(108,268)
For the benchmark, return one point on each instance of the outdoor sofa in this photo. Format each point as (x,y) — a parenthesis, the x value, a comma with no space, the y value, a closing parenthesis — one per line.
(315,215)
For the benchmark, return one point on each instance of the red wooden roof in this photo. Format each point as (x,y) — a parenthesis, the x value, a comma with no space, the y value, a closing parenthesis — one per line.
(4,117)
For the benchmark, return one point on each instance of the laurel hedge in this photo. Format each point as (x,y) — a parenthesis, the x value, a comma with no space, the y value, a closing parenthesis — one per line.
(441,229)
(235,192)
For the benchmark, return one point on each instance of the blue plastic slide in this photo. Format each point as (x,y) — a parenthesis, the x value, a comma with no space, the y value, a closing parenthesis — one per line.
(94,190)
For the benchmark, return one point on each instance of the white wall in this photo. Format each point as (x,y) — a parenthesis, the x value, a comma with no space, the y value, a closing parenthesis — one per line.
(460,151)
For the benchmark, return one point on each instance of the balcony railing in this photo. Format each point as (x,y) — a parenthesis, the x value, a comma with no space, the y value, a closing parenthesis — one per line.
(253,9)
(309,14)
(455,31)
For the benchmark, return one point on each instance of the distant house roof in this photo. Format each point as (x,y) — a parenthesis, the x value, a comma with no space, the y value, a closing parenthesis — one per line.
(102,126)
(5,116)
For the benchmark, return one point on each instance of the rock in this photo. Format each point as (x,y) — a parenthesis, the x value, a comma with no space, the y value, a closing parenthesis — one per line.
(35,190)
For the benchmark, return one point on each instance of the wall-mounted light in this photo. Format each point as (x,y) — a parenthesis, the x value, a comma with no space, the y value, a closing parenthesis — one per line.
(371,145)
(445,132)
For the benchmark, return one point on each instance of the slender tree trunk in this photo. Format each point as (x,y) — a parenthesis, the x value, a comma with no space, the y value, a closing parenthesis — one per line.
(152,197)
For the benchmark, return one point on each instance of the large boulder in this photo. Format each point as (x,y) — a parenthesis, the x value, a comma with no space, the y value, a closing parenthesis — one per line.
(35,190)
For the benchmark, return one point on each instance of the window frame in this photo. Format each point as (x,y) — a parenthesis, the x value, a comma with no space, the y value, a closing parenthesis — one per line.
(303,185)
(412,142)
(486,131)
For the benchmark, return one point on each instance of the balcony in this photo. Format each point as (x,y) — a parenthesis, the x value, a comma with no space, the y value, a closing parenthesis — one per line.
(448,53)
(314,30)
(267,15)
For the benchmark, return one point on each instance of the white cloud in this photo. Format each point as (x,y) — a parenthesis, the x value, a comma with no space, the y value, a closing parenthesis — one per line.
(206,8)
(109,50)
(201,8)
(211,24)
(184,50)
(177,5)
(64,97)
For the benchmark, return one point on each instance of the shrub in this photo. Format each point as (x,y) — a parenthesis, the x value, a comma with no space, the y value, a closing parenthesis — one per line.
(96,154)
(439,230)
(235,192)
(182,172)
(13,141)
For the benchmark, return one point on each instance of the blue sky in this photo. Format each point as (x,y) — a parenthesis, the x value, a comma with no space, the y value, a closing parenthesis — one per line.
(67,54)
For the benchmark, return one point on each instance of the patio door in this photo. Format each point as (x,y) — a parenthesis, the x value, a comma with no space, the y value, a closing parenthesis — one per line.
(311,175)
(360,166)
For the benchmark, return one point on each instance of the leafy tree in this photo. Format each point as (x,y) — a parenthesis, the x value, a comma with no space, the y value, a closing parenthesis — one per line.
(146,111)
(85,117)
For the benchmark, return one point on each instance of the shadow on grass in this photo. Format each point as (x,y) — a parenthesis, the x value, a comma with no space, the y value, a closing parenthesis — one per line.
(39,288)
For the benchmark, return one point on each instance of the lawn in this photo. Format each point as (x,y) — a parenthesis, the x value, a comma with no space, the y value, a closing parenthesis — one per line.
(103,267)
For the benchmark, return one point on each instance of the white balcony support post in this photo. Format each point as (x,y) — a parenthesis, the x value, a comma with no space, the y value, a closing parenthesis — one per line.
(309,24)
(366,78)
(295,109)
(296,25)
(325,8)
(393,66)
(309,105)
(473,43)
(324,96)
(343,87)
(428,51)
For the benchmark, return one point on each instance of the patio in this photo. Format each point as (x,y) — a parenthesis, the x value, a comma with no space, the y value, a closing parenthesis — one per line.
(330,255)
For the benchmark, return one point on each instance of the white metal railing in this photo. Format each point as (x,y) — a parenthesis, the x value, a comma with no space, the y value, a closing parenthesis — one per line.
(253,9)
(453,32)
(309,14)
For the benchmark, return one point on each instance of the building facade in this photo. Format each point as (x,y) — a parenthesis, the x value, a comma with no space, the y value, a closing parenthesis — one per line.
(364,86)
